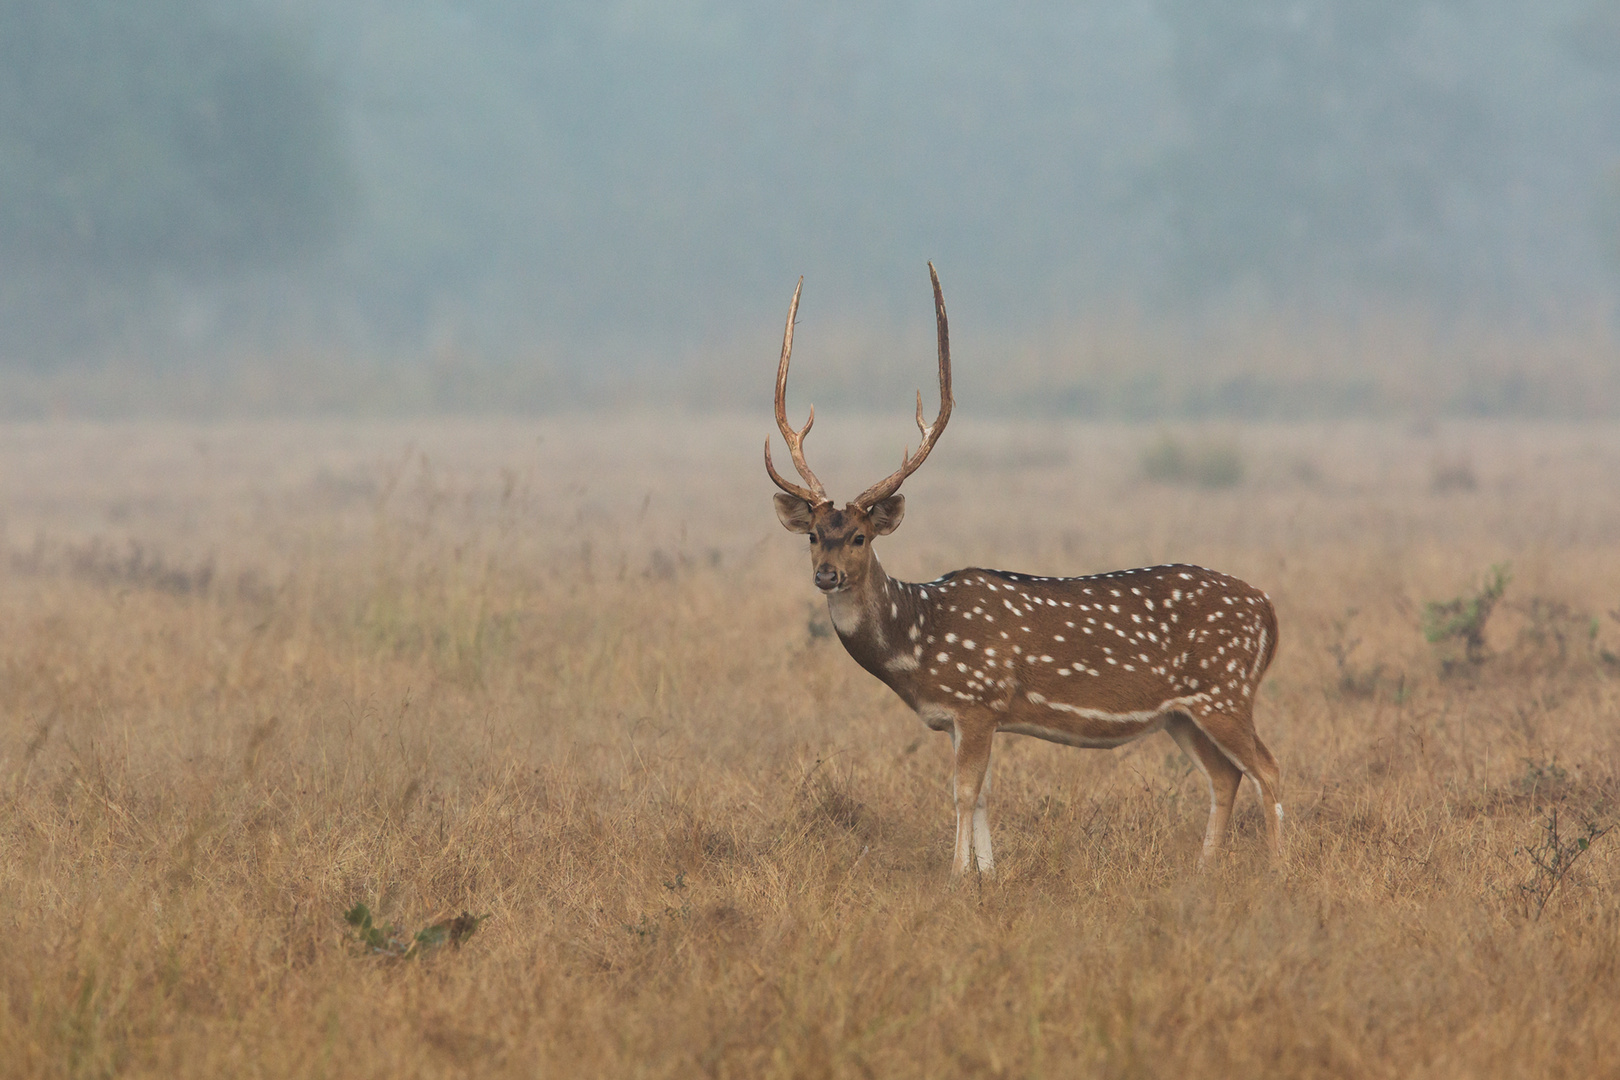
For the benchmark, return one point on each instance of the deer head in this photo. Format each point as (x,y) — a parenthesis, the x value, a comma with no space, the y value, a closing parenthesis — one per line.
(841,540)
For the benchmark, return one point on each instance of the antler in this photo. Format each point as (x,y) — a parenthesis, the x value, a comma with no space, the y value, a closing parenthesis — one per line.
(815,495)
(930,432)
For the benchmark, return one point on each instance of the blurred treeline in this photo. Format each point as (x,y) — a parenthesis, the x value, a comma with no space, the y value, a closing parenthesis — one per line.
(1141,207)
(165,142)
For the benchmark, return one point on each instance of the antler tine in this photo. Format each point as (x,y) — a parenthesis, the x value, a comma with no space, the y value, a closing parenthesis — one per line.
(909,462)
(815,494)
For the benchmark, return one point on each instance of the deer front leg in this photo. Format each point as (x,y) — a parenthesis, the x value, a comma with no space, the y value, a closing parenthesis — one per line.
(971,743)
(981,824)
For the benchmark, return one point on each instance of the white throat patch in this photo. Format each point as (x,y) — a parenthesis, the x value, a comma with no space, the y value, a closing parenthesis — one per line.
(846,610)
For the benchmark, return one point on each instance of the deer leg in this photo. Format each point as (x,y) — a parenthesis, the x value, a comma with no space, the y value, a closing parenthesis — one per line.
(1236,738)
(1270,800)
(972,746)
(981,825)
(1223,777)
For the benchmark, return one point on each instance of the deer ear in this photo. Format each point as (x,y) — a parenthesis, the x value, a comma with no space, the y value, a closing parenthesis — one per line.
(793,512)
(887,514)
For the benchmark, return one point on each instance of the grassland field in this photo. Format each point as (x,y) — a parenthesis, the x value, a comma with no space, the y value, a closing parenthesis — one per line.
(571,676)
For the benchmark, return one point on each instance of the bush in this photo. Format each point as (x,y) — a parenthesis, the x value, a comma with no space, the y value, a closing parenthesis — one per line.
(1460,622)
(387,940)
(1205,465)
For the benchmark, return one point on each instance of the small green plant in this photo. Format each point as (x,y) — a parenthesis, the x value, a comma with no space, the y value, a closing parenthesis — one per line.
(1544,780)
(1555,630)
(1354,681)
(1453,475)
(648,928)
(1206,465)
(1552,857)
(388,941)
(1605,656)
(1460,622)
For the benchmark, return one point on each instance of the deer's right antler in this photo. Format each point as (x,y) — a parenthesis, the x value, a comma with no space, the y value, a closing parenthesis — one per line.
(815,494)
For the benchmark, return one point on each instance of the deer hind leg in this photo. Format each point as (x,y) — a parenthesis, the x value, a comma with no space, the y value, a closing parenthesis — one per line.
(1270,795)
(972,746)
(1224,780)
(1234,735)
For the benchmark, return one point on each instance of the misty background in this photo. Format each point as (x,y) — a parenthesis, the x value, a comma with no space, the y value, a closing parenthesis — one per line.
(1153,208)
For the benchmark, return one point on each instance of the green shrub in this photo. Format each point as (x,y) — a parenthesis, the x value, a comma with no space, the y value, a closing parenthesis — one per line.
(1460,622)
(1205,465)
(387,940)
(1552,857)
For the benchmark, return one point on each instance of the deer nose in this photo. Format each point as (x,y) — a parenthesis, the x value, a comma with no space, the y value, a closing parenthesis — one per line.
(826,578)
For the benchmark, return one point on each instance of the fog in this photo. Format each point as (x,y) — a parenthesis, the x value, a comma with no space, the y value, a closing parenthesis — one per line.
(622,194)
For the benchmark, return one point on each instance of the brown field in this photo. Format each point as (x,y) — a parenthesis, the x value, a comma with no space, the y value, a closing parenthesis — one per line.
(571,674)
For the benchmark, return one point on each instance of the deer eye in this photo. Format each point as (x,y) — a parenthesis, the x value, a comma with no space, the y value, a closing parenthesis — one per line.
(812,539)
(858,540)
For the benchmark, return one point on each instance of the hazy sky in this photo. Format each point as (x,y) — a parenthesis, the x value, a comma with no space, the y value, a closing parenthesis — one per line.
(619,181)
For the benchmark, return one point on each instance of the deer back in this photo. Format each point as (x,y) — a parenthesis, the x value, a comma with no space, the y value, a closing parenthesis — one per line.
(1120,643)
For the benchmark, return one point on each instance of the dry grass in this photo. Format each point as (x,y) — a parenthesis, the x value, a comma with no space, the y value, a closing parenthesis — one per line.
(575,679)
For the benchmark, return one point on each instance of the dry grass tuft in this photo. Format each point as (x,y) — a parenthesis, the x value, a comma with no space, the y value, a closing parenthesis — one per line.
(253,680)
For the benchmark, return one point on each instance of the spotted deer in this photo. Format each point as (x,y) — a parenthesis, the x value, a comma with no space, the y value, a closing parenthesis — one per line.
(1094,661)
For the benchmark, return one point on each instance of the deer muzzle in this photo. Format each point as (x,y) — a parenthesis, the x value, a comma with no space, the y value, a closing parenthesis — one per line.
(828,579)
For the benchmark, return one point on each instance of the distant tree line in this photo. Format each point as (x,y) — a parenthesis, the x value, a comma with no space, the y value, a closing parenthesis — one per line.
(173,137)
(1323,148)
(492,174)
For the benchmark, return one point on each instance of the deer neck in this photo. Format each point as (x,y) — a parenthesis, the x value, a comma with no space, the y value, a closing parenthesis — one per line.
(855,610)
(872,621)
